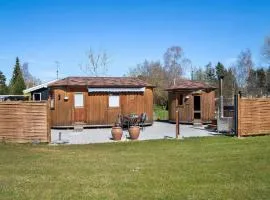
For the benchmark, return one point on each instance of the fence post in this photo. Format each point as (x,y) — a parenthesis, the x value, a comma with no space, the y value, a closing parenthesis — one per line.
(177,133)
(48,122)
(239,115)
(236,115)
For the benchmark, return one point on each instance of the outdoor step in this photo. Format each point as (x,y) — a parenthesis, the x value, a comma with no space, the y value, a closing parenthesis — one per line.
(197,123)
(78,128)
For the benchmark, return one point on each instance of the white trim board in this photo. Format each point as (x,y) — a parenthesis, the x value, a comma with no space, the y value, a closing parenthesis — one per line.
(43,85)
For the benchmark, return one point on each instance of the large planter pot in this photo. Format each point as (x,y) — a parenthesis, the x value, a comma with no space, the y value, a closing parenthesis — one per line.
(134,132)
(117,133)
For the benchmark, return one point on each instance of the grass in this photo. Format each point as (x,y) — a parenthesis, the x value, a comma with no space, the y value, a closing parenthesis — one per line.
(161,113)
(198,168)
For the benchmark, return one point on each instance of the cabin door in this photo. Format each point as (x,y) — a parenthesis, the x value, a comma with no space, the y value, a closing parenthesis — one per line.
(79,107)
(197,107)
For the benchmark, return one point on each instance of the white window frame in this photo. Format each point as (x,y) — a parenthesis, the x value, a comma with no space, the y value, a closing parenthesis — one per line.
(81,105)
(35,94)
(114,101)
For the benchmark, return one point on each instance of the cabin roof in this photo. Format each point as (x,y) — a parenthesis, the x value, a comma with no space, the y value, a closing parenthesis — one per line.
(190,85)
(37,87)
(95,82)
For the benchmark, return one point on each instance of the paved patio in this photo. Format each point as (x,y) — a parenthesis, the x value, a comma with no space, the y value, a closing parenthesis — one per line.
(159,130)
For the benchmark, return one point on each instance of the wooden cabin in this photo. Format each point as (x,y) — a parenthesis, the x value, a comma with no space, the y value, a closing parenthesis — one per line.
(97,101)
(195,101)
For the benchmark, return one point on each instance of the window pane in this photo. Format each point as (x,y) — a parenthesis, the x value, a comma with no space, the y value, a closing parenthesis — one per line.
(78,100)
(37,97)
(114,101)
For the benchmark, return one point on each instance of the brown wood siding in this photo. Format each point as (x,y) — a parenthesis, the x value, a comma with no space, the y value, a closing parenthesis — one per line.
(96,107)
(24,122)
(187,109)
(253,116)
(97,112)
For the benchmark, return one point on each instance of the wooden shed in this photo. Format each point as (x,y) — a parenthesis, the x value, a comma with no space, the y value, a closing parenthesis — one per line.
(195,101)
(97,101)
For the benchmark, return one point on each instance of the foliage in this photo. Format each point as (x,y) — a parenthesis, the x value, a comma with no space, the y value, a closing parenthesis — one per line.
(198,74)
(164,169)
(154,73)
(172,63)
(258,82)
(162,76)
(3,86)
(220,70)
(210,74)
(242,68)
(17,84)
(161,113)
(266,49)
(29,79)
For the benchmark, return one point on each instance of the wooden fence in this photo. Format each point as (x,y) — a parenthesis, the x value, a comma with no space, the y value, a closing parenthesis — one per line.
(24,122)
(253,116)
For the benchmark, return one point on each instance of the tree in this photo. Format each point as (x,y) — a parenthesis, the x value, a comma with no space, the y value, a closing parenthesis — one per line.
(210,74)
(97,64)
(29,79)
(266,49)
(3,86)
(243,66)
(154,73)
(252,83)
(220,70)
(229,84)
(267,81)
(172,63)
(261,81)
(17,84)
(198,74)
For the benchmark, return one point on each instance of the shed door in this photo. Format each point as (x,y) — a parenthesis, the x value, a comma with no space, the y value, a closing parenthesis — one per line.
(79,107)
(197,107)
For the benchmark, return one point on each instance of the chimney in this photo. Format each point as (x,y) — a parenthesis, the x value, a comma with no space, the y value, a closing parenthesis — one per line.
(221,110)
(174,81)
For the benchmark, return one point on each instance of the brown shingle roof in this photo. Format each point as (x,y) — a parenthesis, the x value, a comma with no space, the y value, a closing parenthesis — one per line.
(101,82)
(190,85)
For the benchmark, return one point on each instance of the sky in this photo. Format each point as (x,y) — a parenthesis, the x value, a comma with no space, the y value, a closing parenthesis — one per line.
(43,32)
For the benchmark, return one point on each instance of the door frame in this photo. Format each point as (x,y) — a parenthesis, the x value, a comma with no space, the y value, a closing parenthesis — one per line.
(78,109)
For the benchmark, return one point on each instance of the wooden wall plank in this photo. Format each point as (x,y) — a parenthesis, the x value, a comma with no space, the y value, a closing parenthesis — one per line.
(24,121)
(253,116)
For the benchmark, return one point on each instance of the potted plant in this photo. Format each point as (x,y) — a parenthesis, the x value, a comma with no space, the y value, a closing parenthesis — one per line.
(117,132)
(134,132)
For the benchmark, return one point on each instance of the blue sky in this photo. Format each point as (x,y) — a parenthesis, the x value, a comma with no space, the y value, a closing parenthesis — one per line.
(41,32)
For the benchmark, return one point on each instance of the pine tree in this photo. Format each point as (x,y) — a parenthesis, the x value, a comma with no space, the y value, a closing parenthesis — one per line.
(210,74)
(17,84)
(261,81)
(220,70)
(268,81)
(3,86)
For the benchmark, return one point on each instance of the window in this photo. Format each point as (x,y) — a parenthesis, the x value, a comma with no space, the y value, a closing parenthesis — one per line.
(114,101)
(180,99)
(78,100)
(37,96)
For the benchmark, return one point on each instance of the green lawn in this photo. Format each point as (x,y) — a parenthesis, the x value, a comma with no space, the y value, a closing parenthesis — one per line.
(199,168)
(160,113)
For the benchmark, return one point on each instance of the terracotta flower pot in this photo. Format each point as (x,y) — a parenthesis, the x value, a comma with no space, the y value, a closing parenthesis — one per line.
(117,133)
(134,132)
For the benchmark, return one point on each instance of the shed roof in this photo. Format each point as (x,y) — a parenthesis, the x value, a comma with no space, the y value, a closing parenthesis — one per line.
(37,87)
(110,82)
(190,85)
